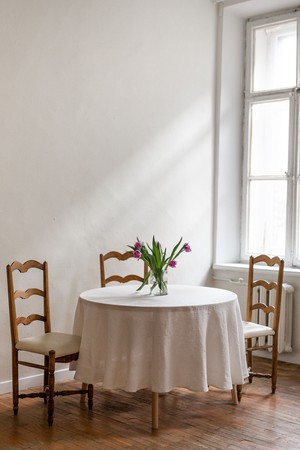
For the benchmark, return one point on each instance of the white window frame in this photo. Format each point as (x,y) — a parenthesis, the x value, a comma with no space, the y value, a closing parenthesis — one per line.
(292,176)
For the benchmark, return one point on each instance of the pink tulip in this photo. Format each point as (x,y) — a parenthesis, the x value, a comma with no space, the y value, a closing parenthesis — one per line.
(137,254)
(187,248)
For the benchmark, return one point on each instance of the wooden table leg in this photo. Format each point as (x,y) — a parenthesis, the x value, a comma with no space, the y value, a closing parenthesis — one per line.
(234,394)
(82,397)
(154,410)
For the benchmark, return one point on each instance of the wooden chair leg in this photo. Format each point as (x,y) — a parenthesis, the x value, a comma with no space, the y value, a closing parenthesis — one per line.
(90,395)
(90,389)
(249,359)
(15,375)
(51,387)
(274,368)
(46,377)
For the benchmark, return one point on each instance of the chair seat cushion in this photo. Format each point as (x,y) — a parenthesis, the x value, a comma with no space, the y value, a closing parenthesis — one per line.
(252,330)
(62,343)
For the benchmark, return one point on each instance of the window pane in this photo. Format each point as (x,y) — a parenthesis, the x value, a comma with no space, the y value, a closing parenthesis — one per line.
(267,217)
(269,138)
(275,56)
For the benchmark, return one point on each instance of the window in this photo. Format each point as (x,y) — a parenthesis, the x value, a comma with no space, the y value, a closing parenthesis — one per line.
(271,193)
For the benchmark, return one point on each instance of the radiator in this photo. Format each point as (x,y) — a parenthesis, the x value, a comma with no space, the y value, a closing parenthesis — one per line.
(286,316)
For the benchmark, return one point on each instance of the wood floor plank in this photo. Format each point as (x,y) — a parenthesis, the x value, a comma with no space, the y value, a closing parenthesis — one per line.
(187,420)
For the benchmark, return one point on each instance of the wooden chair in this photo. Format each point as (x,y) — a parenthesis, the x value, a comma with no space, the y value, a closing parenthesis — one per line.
(120,279)
(55,347)
(262,314)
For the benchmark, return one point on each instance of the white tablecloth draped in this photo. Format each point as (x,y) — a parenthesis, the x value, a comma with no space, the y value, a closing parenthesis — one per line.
(190,338)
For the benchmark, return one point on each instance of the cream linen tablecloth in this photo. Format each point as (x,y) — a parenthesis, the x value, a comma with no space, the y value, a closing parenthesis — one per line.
(190,338)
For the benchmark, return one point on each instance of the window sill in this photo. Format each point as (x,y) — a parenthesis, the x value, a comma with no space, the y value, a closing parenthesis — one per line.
(238,270)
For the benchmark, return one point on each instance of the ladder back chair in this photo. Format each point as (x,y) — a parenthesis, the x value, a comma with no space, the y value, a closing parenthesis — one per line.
(263,314)
(39,339)
(104,279)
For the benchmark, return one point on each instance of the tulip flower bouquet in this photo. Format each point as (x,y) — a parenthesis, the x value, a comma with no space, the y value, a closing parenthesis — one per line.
(158,262)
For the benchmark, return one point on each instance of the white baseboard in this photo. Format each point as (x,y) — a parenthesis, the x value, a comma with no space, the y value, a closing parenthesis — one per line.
(35,380)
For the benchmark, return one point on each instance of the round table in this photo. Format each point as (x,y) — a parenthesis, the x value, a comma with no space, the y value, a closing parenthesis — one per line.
(131,340)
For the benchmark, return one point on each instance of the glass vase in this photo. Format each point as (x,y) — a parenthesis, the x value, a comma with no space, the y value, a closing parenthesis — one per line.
(159,282)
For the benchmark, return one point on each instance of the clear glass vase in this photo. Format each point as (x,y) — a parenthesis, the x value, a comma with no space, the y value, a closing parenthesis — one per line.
(159,282)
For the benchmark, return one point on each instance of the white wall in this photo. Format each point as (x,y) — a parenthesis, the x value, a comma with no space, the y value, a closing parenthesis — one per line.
(106,123)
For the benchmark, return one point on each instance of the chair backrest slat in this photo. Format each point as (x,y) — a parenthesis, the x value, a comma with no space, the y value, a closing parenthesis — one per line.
(115,277)
(255,283)
(29,319)
(26,295)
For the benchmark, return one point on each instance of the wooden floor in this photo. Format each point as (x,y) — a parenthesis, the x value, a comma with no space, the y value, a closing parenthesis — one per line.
(188,420)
